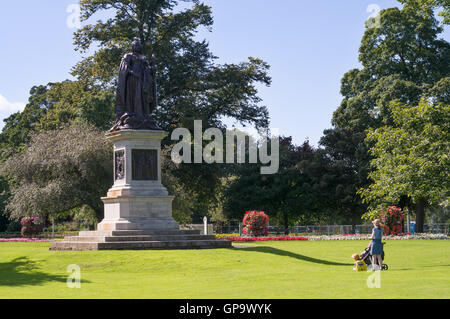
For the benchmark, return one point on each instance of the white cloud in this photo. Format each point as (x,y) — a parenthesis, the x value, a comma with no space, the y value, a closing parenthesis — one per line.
(6,106)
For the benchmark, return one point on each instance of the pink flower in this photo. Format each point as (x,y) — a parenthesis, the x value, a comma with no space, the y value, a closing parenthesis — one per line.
(22,240)
(255,223)
(248,239)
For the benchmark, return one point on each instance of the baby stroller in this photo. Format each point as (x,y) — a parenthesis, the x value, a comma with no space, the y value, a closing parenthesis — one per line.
(367,257)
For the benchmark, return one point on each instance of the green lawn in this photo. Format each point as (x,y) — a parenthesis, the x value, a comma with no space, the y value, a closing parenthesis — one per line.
(320,269)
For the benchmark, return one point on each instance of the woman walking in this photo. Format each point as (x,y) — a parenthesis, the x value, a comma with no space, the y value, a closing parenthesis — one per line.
(377,247)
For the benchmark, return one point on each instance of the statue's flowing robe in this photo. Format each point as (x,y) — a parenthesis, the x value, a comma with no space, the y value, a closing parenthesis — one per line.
(135,86)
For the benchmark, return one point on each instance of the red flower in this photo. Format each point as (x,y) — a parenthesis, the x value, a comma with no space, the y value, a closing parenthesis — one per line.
(255,223)
(393,218)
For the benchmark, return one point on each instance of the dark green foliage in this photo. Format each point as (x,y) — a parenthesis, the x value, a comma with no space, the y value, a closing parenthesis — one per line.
(411,158)
(426,7)
(341,167)
(73,101)
(286,196)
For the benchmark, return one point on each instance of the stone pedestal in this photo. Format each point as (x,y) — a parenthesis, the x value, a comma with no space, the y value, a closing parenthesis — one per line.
(138,208)
(137,200)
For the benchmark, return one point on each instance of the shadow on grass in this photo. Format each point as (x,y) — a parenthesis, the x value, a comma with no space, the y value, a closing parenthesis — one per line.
(24,272)
(426,266)
(279,252)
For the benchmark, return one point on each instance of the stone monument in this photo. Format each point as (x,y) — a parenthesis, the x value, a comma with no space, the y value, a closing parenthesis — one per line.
(138,208)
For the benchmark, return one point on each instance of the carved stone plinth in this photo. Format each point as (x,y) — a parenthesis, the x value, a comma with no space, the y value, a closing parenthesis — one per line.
(137,200)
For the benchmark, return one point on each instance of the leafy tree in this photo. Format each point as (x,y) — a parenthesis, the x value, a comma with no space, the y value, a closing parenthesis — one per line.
(16,135)
(285,196)
(339,168)
(190,84)
(20,125)
(403,59)
(411,157)
(183,204)
(59,170)
(427,6)
(73,101)
(86,216)
(4,218)
(51,107)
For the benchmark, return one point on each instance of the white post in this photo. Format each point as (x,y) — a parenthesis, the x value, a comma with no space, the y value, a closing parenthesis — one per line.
(408,221)
(205,225)
(53,227)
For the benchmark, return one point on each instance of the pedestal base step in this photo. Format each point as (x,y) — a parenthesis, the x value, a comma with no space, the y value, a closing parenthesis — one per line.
(139,232)
(139,240)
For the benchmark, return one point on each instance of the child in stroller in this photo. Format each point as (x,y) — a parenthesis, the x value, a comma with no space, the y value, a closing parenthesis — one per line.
(367,258)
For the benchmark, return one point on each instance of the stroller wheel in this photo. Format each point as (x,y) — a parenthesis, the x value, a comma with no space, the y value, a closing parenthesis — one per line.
(385,267)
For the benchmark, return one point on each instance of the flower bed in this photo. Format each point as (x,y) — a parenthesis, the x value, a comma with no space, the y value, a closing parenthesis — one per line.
(427,236)
(30,227)
(246,239)
(402,236)
(7,240)
(42,235)
(225,236)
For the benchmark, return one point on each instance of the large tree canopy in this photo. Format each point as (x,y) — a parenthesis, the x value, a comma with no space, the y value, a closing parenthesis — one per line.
(403,59)
(54,105)
(411,157)
(427,6)
(191,86)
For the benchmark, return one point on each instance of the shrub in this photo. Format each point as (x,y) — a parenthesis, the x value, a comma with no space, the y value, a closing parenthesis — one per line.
(30,227)
(13,227)
(221,236)
(58,170)
(3,223)
(255,224)
(392,219)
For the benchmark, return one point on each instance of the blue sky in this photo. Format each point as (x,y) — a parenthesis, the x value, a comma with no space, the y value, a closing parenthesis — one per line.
(309,45)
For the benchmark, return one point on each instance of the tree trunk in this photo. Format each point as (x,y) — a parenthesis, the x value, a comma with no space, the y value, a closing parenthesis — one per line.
(286,224)
(99,213)
(356,220)
(420,215)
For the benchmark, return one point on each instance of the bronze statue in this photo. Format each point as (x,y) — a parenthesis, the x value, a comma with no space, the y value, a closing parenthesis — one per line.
(136,96)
